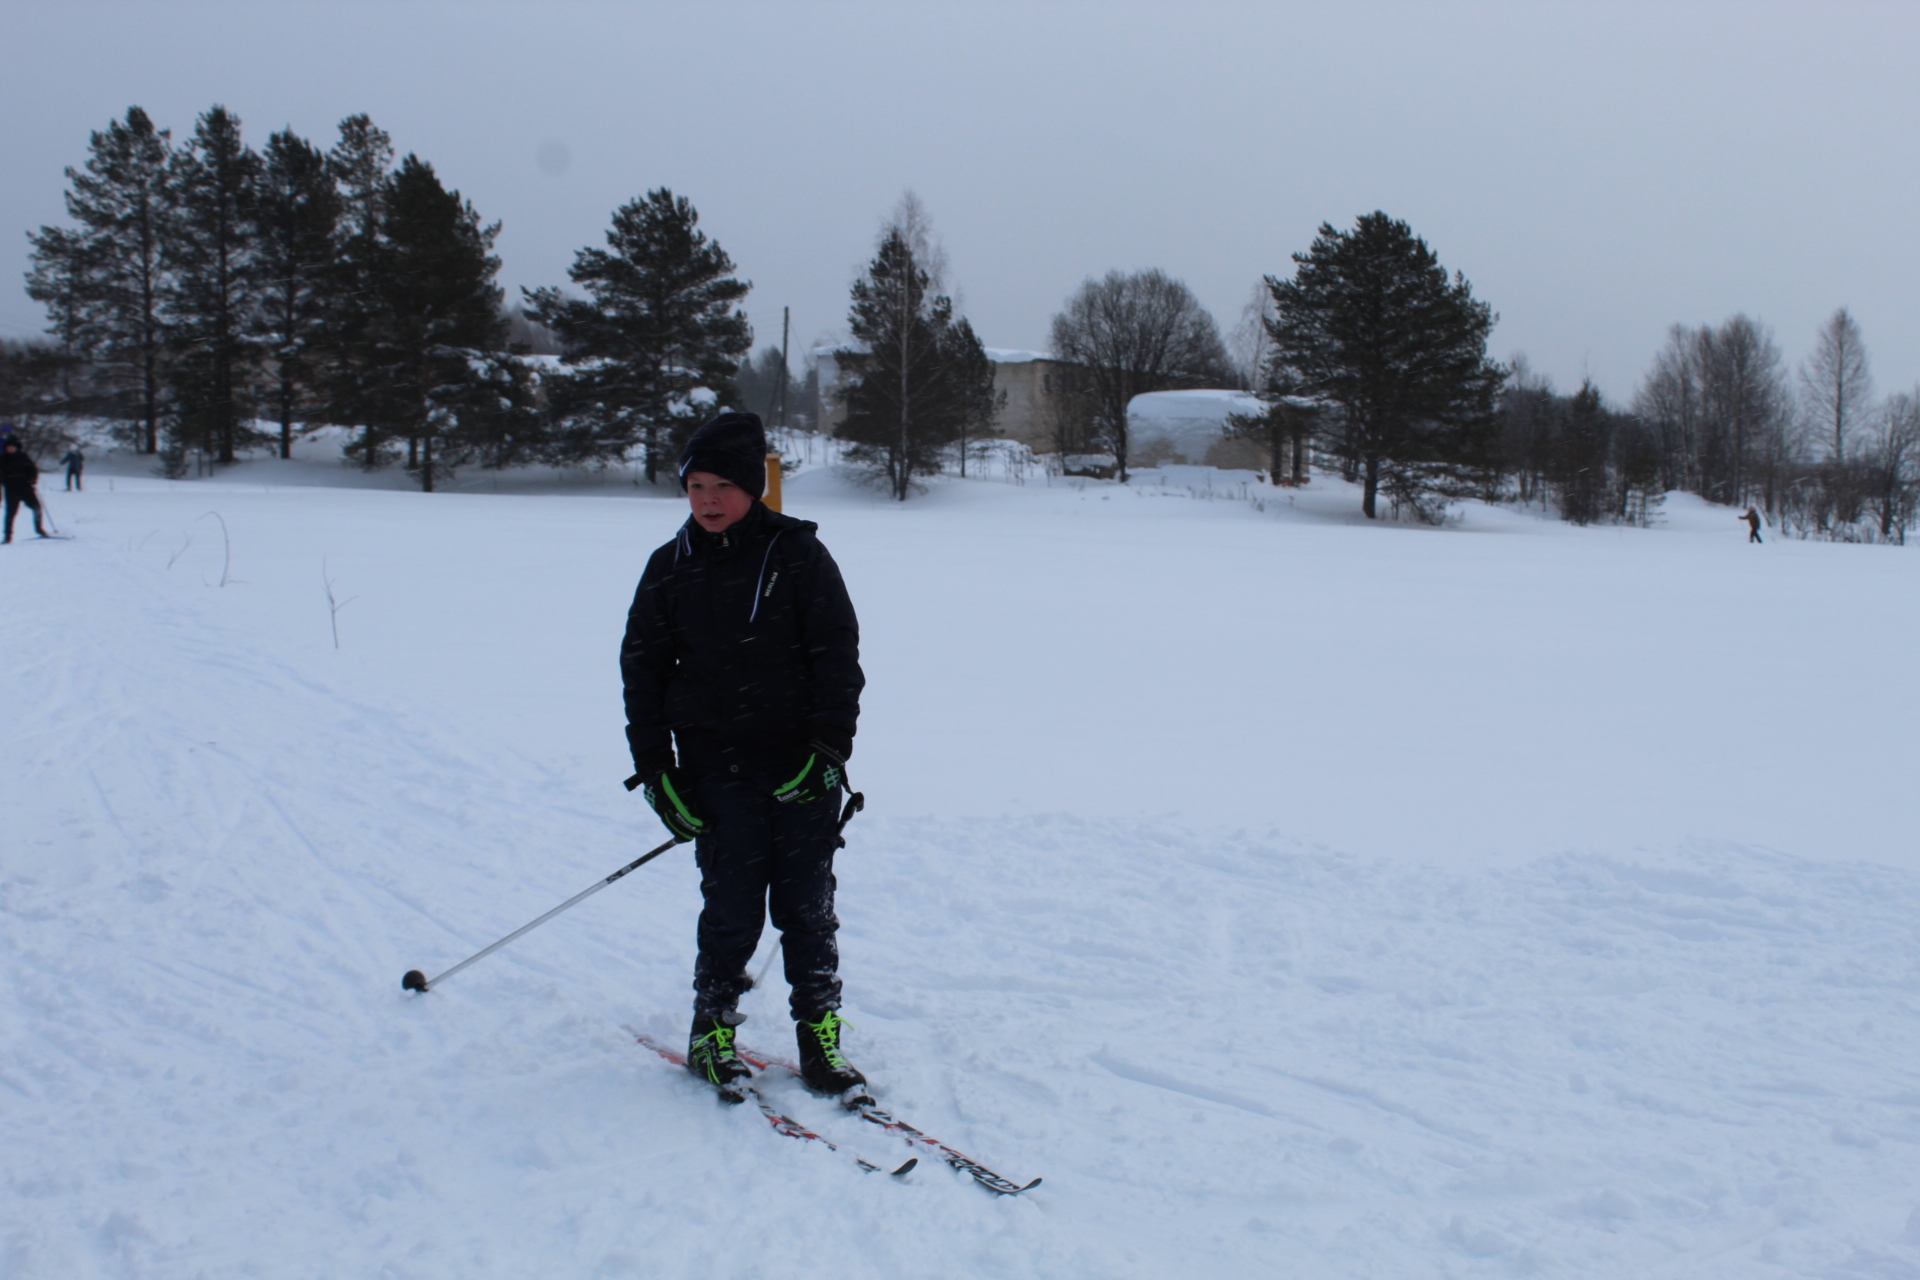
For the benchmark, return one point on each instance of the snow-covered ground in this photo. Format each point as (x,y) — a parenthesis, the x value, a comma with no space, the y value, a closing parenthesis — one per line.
(1298,896)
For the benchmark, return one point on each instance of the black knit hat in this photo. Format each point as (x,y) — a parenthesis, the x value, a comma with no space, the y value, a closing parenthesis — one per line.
(734,447)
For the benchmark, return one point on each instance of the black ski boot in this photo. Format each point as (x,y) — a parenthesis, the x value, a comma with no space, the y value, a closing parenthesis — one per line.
(711,1054)
(822,1065)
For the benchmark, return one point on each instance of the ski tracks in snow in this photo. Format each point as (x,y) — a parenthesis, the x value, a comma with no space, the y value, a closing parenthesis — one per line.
(1220,1049)
(1574,1067)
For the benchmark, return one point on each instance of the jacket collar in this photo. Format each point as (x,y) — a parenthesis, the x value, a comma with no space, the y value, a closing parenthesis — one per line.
(760,522)
(750,527)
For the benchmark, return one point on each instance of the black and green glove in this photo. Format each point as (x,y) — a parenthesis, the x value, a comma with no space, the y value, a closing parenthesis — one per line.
(818,771)
(666,792)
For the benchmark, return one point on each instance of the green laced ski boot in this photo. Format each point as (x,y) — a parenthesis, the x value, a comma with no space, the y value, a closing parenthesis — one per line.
(822,1065)
(711,1054)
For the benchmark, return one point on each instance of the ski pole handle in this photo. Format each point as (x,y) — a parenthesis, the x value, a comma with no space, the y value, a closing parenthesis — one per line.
(417,981)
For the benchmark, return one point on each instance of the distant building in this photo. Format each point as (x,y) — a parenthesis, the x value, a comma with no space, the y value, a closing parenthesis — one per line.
(1185,426)
(1031,381)
(1163,426)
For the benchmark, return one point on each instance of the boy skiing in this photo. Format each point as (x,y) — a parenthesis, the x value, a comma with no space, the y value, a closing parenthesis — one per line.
(18,477)
(742,651)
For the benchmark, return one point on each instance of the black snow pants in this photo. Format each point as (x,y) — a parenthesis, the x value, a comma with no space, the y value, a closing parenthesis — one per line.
(17,498)
(761,855)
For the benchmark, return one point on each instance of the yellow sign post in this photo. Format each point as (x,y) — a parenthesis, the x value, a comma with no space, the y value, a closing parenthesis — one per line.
(772,498)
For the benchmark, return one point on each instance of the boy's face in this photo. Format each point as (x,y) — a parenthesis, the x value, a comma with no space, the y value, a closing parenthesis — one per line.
(716,501)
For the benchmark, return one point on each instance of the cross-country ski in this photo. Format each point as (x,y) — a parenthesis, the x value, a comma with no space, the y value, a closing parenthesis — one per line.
(867,1109)
(782,1123)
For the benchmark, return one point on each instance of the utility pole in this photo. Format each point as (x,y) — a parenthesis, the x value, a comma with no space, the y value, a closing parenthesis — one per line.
(908,310)
(786,327)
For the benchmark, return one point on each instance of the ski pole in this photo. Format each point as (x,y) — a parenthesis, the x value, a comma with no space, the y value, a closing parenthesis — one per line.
(414,980)
(856,802)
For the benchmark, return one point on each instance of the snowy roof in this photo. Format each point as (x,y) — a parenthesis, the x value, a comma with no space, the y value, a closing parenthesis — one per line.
(1205,405)
(999,355)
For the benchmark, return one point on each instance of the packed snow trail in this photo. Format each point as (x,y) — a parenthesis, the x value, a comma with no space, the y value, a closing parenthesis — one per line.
(1225,1048)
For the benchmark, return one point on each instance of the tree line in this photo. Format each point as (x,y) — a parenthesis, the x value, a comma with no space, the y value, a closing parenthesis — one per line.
(200,284)
(1374,359)
(1814,449)
(203,288)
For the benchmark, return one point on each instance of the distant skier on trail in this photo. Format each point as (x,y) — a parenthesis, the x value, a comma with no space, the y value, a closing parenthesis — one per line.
(1753,524)
(75,462)
(742,650)
(18,477)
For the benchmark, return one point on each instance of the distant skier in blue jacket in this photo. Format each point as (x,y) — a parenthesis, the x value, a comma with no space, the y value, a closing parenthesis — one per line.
(743,652)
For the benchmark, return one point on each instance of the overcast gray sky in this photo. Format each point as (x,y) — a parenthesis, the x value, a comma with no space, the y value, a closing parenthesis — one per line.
(1598,171)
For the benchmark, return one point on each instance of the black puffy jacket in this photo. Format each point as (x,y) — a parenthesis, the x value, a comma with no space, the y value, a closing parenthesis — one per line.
(18,473)
(741,645)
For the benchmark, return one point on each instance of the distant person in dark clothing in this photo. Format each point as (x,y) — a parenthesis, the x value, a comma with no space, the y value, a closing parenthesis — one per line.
(1753,524)
(18,476)
(75,462)
(742,651)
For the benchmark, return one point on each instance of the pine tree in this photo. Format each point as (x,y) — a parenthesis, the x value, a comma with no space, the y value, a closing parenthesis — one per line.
(975,404)
(1637,473)
(919,380)
(105,280)
(1371,325)
(213,291)
(62,273)
(361,165)
(432,322)
(1581,456)
(660,323)
(297,217)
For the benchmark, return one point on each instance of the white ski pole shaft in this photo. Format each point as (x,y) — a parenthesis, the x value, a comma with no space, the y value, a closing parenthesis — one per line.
(418,981)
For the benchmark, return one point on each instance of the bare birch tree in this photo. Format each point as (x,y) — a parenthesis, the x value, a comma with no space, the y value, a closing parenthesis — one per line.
(1835,384)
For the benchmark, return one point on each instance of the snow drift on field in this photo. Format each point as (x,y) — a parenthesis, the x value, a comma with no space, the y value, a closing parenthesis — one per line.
(1297,896)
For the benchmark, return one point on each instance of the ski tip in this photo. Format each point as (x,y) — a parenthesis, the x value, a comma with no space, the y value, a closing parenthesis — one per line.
(906,1168)
(1001,1187)
(413,981)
